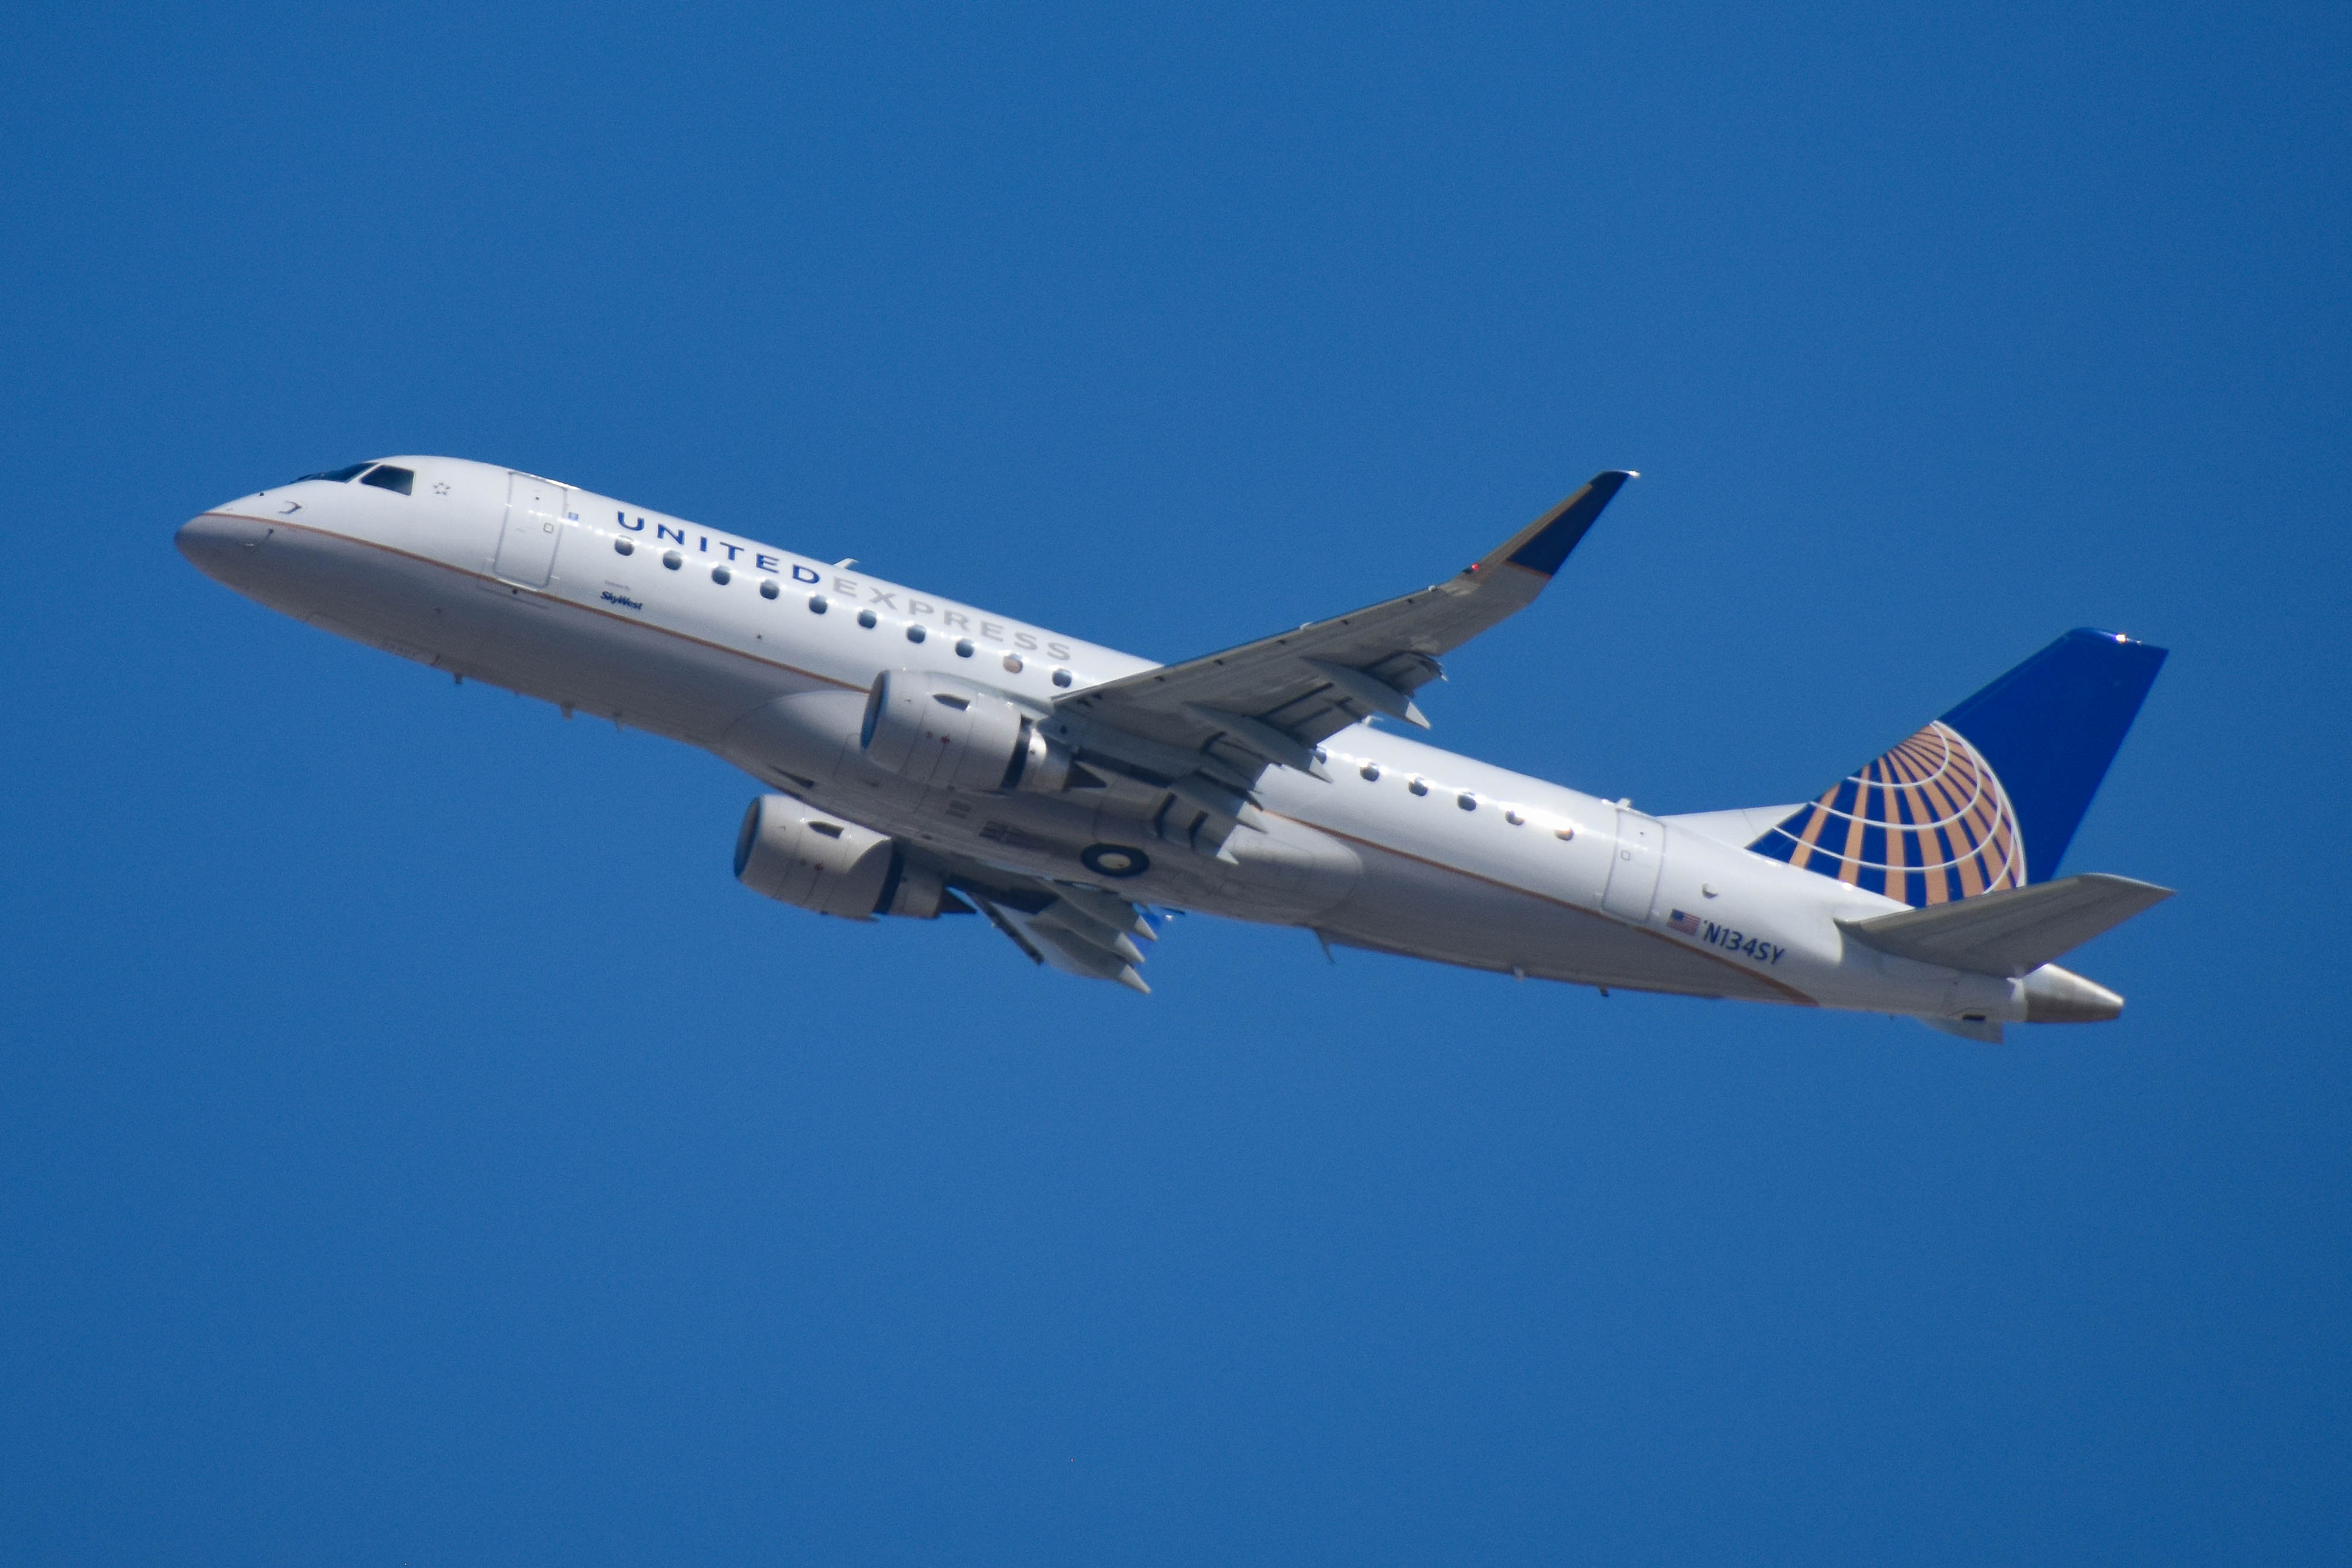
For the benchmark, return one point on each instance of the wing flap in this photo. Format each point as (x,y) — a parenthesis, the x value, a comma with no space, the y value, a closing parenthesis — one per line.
(2013,932)
(1080,931)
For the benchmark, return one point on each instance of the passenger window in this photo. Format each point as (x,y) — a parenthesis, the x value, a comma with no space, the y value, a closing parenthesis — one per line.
(769,589)
(624,547)
(817,605)
(722,576)
(387,478)
(916,633)
(1013,664)
(866,619)
(964,647)
(1419,786)
(1061,677)
(672,559)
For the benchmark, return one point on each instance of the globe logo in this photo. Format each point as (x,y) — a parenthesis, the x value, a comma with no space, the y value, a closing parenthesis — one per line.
(1927,824)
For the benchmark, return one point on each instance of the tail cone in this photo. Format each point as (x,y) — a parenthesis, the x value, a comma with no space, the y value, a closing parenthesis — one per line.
(2054,995)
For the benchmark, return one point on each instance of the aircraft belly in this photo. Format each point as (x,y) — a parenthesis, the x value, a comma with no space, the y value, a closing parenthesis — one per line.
(802,737)
(1410,907)
(533,643)
(402,606)
(637,674)
(1287,875)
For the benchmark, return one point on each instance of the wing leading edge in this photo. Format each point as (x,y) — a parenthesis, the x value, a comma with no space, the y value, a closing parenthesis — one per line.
(1229,716)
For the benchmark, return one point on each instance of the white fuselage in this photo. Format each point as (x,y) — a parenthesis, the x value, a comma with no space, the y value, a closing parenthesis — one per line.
(765,658)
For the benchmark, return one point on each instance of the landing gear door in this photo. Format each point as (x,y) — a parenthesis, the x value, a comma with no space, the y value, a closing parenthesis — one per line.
(1633,866)
(534,526)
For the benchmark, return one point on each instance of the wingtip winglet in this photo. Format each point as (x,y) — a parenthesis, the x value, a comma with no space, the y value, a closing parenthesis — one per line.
(1545,543)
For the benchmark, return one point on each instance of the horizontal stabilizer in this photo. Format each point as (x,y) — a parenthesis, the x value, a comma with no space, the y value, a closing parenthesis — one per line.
(2013,932)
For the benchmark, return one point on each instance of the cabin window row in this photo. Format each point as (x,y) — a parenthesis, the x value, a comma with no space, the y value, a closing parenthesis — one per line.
(818,605)
(1467,800)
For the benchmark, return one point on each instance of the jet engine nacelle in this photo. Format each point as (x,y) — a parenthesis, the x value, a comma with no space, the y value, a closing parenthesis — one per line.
(944,732)
(796,854)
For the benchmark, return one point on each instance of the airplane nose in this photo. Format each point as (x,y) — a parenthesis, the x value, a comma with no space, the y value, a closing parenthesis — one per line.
(223,547)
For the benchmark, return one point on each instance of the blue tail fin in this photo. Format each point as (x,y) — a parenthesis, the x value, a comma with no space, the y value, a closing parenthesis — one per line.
(1987,796)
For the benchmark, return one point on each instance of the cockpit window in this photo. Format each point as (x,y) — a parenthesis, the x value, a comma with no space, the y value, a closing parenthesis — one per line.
(387,478)
(339,475)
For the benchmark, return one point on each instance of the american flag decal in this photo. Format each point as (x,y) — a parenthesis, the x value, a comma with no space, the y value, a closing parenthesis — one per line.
(1686,924)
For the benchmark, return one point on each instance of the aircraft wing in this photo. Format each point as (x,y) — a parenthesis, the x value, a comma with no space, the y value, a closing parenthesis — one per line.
(1231,715)
(1082,931)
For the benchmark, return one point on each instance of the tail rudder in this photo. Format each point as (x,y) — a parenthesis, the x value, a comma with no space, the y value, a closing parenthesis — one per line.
(1987,797)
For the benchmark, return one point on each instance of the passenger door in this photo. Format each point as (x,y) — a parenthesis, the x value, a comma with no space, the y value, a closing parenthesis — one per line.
(1633,867)
(534,526)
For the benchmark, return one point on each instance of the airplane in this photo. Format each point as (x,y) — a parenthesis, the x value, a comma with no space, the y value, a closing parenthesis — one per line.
(921,757)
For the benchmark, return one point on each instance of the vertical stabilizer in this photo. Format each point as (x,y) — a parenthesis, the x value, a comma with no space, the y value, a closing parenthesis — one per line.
(1987,797)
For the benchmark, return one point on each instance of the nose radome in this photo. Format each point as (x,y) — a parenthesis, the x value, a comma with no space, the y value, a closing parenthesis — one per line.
(223,547)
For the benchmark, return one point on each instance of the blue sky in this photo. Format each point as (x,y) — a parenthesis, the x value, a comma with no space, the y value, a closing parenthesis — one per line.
(414,1148)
